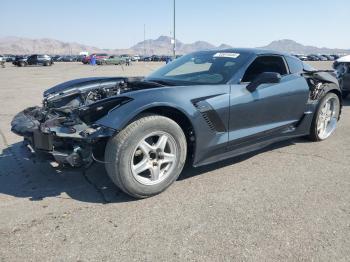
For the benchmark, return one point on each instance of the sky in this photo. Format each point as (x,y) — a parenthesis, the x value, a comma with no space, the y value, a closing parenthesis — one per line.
(120,23)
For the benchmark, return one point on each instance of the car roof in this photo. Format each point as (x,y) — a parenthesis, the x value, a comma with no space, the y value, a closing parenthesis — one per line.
(253,51)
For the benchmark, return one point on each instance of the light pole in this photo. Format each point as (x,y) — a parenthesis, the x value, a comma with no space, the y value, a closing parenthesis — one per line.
(174,36)
(144,40)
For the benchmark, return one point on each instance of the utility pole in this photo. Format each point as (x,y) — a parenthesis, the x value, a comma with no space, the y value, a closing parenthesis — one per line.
(144,40)
(174,37)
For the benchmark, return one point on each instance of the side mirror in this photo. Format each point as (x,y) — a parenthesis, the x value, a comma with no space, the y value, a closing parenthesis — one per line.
(264,78)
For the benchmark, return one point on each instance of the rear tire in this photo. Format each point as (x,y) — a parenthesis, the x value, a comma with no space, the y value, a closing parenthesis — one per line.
(147,156)
(326,117)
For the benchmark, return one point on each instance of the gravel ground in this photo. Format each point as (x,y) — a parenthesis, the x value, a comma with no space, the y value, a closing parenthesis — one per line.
(289,202)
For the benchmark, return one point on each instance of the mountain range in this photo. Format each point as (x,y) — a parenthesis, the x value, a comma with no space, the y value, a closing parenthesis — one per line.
(291,46)
(160,46)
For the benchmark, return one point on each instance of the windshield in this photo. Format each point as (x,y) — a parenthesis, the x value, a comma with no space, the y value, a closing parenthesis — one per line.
(208,67)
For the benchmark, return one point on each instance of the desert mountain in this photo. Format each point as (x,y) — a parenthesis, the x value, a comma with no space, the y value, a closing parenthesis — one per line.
(291,46)
(160,46)
(19,45)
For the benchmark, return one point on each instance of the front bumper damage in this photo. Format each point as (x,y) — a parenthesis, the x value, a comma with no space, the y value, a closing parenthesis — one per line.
(66,141)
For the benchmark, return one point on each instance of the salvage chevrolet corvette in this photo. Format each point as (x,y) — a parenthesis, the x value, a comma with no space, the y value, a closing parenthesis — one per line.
(203,107)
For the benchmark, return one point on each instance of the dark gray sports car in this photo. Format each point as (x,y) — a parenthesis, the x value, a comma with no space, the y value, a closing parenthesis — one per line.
(203,107)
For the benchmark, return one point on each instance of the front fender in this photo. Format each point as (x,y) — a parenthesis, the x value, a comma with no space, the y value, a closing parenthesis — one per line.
(119,117)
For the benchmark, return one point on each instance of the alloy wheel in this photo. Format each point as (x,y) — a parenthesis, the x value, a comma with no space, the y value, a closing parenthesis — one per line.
(328,118)
(154,158)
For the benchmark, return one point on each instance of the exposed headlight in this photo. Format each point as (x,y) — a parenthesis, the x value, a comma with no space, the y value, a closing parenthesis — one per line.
(95,111)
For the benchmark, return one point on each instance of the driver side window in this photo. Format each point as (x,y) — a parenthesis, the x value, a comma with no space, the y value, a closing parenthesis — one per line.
(263,64)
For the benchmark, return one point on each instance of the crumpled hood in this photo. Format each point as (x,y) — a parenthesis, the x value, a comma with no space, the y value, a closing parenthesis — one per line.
(92,82)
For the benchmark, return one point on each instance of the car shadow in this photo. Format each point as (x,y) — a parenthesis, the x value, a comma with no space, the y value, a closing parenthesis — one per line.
(346,101)
(23,176)
(190,171)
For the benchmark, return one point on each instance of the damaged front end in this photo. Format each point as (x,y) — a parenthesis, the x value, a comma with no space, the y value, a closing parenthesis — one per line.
(64,128)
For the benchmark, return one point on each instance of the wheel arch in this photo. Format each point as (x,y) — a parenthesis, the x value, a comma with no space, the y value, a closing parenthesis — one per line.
(176,115)
(337,92)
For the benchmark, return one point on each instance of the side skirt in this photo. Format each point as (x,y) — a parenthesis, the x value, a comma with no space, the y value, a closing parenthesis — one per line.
(301,129)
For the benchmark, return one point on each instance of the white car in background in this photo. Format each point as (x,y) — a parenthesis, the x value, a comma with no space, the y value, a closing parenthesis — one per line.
(2,61)
(135,58)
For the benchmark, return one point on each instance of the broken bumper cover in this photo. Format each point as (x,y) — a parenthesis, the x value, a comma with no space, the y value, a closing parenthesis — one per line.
(64,141)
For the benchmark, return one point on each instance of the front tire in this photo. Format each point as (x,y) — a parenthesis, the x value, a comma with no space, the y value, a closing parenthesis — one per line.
(326,117)
(147,156)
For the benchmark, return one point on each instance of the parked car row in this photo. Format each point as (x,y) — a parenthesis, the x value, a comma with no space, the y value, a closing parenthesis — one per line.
(44,60)
(120,59)
(87,59)
(156,58)
(8,58)
(111,60)
(101,59)
(67,58)
(318,57)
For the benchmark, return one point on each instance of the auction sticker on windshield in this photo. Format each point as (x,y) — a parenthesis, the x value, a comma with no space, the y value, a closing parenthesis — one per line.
(227,55)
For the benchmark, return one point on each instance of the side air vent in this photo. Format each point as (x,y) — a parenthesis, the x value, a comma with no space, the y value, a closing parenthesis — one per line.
(210,116)
(205,116)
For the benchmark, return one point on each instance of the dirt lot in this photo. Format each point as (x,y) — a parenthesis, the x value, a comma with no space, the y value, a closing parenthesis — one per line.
(288,202)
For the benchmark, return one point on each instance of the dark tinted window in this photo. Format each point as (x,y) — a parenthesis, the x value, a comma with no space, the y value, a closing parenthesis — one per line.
(294,64)
(265,64)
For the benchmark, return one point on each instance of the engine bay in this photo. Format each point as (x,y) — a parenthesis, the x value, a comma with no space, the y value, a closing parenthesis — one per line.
(77,96)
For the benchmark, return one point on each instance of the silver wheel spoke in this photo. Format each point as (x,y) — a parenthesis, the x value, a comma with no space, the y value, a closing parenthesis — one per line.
(145,147)
(155,172)
(168,158)
(320,130)
(162,141)
(325,124)
(320,124)
(141,166)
